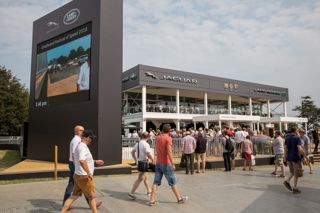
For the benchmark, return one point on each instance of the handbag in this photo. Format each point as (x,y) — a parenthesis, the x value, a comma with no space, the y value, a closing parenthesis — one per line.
(143,166)
(253,160)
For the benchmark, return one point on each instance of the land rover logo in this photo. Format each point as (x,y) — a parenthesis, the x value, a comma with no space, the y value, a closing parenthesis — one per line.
(71,16)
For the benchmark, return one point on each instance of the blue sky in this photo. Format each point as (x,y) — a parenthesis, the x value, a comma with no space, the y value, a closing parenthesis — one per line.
(84,42)
(274,42)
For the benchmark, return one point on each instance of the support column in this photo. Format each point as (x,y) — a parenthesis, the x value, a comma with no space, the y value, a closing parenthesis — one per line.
(286,126)
(144,100)
(285,109)
(280,126)
(250,106)
(144,125)
(178,102)
(206,108)
(258,127)
(194,125)
(269,109)
(206,103)
(220,125)
(178,124)
(229,105)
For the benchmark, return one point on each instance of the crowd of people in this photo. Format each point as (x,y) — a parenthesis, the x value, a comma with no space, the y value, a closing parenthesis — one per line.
(290,149)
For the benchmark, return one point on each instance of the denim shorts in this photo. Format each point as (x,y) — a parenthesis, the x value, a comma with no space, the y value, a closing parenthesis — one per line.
(167,171)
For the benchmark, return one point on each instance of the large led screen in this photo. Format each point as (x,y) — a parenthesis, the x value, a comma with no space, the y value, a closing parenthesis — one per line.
(63,68)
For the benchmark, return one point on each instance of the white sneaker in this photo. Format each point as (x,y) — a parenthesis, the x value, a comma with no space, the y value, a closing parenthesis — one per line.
(183,199)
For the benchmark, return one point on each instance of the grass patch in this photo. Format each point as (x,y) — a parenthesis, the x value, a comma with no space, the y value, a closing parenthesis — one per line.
(8,158)
(29,180)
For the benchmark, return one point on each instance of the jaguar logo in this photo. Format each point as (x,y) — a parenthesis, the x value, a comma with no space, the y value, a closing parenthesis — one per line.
(149,74)
(173,78)
(52,26)
(71,16)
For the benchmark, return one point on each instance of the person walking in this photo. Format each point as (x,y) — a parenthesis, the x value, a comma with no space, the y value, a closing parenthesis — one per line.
(200,152)
(165,166)
(72,147)
(143,151)
(278,149)
(305,142)
(188,146)
(226,153)
(83,175)
(315,138)
(293,157)
(247,149)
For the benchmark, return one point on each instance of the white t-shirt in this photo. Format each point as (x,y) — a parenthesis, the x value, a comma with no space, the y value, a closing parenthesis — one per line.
(84,77)
(82,152)
(144,148)
(238,137)
(73,145)
(135,135)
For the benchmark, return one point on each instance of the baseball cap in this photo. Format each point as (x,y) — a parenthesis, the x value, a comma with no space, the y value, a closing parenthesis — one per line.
(88,133)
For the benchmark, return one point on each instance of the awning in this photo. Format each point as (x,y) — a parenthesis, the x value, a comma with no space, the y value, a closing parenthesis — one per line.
(226,117)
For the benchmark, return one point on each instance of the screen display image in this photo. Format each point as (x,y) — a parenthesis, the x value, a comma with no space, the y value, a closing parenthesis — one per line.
(63,68)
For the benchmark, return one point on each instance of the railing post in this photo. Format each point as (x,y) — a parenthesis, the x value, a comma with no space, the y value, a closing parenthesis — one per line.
(55,162)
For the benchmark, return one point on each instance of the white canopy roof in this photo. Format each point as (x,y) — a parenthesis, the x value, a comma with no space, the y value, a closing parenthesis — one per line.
(283,120)
(226,117)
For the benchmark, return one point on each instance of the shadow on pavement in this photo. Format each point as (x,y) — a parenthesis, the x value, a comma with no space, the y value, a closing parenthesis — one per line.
(124,196)
(45,205)
(292,203)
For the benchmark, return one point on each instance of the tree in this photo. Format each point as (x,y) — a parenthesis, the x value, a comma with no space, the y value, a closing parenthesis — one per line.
(13,103)
(308,110)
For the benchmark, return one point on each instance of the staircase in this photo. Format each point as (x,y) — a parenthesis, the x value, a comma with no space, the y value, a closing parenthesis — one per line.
(316,157)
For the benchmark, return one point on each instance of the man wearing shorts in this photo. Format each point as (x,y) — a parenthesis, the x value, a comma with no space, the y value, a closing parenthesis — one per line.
(83,175)
(292,157)
(278,149)
(200,152)
(165,166)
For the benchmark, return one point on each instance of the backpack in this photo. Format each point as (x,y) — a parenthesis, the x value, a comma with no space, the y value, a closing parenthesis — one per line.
(229,146)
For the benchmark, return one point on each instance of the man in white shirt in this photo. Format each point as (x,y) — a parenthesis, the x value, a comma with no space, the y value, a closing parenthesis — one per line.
(83,175)
(73,144)
(72,147)
(141,152)
(83,82)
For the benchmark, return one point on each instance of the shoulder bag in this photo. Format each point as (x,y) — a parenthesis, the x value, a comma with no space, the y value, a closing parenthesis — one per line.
(142,165)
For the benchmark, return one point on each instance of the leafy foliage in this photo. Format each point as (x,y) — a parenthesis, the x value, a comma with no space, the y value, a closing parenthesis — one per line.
(13,103)
(309,110)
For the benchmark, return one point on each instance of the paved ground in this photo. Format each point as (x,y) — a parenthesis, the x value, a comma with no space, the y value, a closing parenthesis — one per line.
(215,191)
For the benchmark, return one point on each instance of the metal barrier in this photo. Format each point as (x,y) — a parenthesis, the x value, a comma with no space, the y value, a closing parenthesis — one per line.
(10,141)
(15,140)
(214,147)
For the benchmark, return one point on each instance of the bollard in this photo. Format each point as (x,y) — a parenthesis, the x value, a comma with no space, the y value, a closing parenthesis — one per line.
(55,162)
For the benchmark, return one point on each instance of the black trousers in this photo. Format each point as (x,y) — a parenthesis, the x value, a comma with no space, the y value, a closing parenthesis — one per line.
(316,146)
(189,163)
(227,161)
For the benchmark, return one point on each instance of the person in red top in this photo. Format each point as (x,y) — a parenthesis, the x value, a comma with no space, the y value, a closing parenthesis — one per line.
(165,166)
